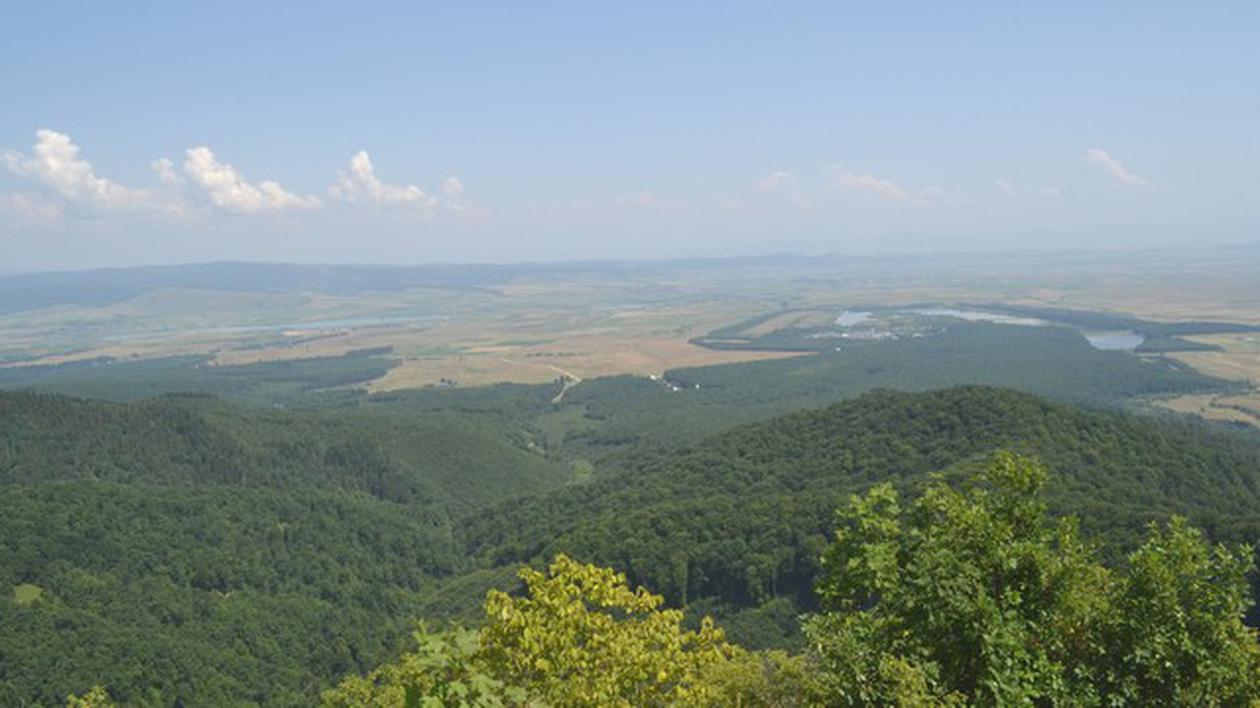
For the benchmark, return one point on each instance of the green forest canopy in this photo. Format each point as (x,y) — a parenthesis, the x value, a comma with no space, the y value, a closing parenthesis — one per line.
(969,596)
(239,555)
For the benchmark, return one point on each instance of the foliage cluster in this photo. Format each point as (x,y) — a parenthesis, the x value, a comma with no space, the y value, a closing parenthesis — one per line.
(579,636)
(969,597)
(745,516)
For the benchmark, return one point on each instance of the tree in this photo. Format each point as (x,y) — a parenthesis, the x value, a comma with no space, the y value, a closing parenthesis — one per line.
(972,596)
(1174,637)
(579,636)
(443,671)
(97,697)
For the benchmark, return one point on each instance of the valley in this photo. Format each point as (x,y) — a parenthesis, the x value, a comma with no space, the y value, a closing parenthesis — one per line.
(287,480)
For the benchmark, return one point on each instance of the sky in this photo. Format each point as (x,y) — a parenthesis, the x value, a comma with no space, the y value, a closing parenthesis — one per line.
(168,132)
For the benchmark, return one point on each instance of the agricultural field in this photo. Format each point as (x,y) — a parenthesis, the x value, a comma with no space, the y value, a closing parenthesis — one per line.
(471,326)
(1242,408)
(576,357)
(1238,359)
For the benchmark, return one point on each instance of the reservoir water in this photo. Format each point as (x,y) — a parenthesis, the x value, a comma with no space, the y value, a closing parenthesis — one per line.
(849,318)
(1124,341)
(980,316)
(1115,341)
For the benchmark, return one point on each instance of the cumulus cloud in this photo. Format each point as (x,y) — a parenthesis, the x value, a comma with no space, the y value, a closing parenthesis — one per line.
(165,170)
(358,184)
(31,210)
(849,180)
(454,192)
(229,191)
(69,184)
(55,163)
(1110,166)
(846,180)
(783,182)
(774,181)
(453,189)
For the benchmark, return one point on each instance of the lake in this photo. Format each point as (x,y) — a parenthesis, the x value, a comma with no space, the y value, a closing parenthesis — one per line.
(848,318)
(979,316)
(1115,341)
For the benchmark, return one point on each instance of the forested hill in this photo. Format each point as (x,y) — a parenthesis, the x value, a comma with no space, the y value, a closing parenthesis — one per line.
(182,549)
(743,517)
(460,460)
(189,551)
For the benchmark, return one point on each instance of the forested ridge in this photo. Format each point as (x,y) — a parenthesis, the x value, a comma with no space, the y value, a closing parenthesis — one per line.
(186,549)
(742,517)
(456,459)
(197,551)
(965,594)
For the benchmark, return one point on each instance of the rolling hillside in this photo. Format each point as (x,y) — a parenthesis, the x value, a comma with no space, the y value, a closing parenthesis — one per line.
(740,519)
(187,549)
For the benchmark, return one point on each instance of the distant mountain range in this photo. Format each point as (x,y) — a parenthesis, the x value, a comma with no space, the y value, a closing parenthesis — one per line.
(99,287)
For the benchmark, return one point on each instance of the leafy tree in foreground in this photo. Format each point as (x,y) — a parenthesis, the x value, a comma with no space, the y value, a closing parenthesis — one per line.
(970,596)
(967,596)
(97,697)
(444,670)
(580,636)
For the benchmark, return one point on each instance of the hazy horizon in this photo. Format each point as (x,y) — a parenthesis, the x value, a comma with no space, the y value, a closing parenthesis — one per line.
(911,254)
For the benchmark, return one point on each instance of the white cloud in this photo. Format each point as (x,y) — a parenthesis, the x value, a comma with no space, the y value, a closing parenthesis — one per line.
(1005,187)
(854,182)
(69,183)
(360,185)
(30,210)
(775,180)
(229,191)
(165,170)
(1098,158)
(783,182)
(846,180)
(55,163)
(453,189)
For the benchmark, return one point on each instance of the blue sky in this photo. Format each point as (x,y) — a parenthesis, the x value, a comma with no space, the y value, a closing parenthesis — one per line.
(402,132)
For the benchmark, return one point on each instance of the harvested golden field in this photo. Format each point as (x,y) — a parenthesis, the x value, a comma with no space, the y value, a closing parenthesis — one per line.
(1240,361)
(1244,408)
(582,356)
(464,370)
(813,318)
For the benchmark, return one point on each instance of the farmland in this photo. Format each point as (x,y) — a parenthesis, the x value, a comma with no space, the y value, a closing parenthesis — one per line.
(535,324)
(1237,358)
